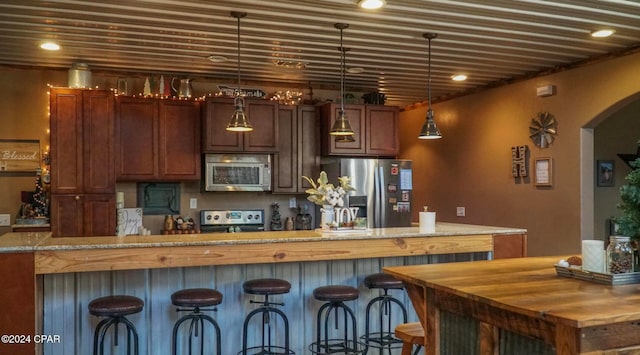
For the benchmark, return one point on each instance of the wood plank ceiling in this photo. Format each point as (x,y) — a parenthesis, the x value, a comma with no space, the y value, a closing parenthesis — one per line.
(294,42)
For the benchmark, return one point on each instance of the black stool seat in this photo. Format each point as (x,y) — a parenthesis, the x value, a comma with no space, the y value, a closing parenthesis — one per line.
(336,293)
(266,286)
(196,297)
(384,281)
(115,306)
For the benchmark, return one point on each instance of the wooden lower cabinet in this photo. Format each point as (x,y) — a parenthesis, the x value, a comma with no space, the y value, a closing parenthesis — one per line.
(83,215)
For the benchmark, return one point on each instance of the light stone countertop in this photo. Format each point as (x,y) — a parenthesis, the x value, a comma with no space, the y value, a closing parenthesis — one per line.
(42,241)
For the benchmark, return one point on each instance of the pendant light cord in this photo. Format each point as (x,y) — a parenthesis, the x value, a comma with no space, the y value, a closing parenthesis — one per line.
(429,79)
(238,92)
(341,73)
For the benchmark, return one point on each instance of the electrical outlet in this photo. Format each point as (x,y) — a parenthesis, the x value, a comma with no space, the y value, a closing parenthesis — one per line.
(292,202)
(193,203)
(5,220)
(460,211)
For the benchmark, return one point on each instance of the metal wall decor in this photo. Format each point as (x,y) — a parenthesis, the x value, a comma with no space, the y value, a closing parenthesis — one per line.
(543,129)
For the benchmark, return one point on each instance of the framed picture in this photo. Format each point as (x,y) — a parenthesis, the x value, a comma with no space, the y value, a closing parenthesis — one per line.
(543,172)
(604,172)
(19,155)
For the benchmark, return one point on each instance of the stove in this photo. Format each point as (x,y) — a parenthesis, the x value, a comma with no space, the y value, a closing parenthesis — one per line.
(231,221)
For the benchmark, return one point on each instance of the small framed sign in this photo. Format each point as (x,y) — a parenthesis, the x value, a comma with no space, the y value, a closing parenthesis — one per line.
(19,155)
(544,172)
(604,173)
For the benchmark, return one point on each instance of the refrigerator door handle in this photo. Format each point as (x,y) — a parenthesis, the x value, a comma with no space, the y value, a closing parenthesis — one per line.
(380,210)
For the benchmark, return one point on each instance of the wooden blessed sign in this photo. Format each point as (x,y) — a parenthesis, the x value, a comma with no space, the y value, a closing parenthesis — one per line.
(19,155)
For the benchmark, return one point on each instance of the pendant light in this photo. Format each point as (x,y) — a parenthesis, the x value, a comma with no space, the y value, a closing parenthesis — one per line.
(239,121)
(341,126)
(429,129)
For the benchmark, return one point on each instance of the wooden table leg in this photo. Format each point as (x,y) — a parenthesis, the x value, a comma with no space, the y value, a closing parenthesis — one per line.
(488,337)
(567,340)
(432,329)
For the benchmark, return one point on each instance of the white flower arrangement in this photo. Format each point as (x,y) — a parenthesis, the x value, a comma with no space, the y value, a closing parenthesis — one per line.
(323,193)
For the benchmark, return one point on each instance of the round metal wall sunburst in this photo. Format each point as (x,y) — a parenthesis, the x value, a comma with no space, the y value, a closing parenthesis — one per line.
(543,129)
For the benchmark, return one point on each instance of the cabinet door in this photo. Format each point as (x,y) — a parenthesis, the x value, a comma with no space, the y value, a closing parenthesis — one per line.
(308,146)
(263,116)
(98,130)
(66,141)
(137,139)
(356,116)
(179,140)
(99,214)
(216,138)
(66,215)
(286,161)
(382,130)
(83,215)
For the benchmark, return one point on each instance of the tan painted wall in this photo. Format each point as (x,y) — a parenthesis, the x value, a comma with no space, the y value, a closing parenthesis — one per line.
(471,165)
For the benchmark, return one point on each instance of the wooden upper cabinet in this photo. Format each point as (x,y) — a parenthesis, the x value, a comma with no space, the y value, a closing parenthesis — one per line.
(262,115)
(299,149)
(137,138)
(179,150)
(82,141)
(356,115)
(158,140)
(381,130)
(375,127)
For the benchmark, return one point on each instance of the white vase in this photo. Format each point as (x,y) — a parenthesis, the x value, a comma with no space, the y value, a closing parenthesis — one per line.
(327,216)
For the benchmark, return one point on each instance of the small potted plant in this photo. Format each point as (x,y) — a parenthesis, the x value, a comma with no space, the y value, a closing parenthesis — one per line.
(328,196)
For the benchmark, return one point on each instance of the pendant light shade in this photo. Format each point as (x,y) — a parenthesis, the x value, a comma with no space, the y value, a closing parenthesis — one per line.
(429,129)
(239,121)
(341,126)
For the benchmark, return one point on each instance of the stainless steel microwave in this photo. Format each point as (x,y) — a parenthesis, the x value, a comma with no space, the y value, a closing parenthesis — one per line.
(237,172)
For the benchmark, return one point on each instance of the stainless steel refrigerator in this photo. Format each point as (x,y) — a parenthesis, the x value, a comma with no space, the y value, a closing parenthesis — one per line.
(384,188)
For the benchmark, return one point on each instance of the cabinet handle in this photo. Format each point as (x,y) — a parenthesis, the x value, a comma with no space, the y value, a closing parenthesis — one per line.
(77,198)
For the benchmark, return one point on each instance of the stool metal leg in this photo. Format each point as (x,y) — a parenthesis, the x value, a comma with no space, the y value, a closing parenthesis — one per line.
(384,338)
(104,325)
(266,335)
(196,319)
(328,345)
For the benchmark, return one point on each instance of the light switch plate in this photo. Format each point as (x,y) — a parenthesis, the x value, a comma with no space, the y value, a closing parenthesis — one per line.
(460,211)
(193,203)
(5,220)
(292,202)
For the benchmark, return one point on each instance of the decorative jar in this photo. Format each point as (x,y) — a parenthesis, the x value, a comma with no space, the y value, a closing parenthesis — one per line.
(619,255)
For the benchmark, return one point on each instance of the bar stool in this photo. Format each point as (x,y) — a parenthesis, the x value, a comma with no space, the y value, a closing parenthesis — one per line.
(384,338)
(266,287)
(115,309)
(411,334)
(192,300)
(334,297)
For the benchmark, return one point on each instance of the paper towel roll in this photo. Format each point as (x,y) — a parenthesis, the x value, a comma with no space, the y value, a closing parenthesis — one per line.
(593,255)
(427,222)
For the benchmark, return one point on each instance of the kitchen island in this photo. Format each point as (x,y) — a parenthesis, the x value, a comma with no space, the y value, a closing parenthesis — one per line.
(520,306)
(49,281)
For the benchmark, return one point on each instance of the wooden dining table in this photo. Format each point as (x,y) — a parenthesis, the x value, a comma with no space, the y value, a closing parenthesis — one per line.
(524,297)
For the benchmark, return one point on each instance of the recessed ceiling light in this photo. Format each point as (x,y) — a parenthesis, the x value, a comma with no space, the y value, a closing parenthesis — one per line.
(371,4)
(459,77)
(355,70)
(217,58)
(602,33)
(50,46)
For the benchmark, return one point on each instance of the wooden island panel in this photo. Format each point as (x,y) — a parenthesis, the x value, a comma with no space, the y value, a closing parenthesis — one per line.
(62,261)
